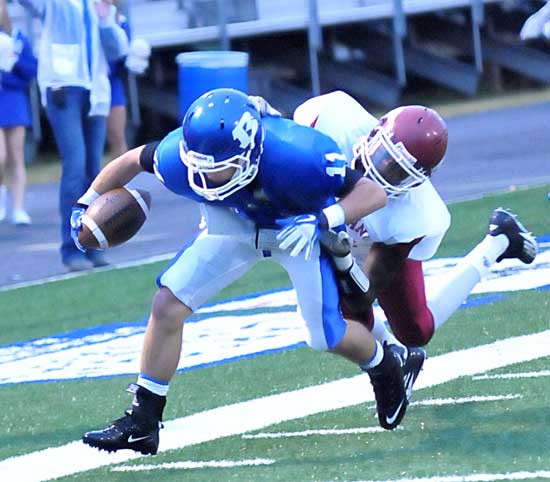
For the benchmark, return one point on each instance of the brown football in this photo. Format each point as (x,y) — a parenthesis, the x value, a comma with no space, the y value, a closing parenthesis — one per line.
(114,217)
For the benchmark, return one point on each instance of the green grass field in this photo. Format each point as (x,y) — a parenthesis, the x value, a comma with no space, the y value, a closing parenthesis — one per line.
(467,436)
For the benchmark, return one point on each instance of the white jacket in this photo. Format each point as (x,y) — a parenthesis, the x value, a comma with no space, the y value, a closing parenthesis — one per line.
(62,57)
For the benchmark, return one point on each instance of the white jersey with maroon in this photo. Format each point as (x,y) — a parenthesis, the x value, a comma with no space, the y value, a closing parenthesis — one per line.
(418,213)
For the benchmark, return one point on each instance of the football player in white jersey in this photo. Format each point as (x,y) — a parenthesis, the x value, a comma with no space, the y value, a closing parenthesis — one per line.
(400,151)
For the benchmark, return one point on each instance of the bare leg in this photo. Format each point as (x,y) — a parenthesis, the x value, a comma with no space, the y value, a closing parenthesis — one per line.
(139,429)
(3,154)
(3,190)
(116,130)
(163,338)
(358,344)
(15,141)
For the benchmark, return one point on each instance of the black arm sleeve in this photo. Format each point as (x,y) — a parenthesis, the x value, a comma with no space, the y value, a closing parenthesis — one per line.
(351,179)
(147,155)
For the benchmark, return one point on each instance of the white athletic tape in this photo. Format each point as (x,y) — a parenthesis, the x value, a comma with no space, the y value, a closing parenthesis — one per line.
(96,231)
(335,214)
(89,197)
(138,197)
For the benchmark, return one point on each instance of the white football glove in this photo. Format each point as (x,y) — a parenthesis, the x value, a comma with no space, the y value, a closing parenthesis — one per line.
(8,55)
(537,25)
(263,106)
(139,52)
(301,232)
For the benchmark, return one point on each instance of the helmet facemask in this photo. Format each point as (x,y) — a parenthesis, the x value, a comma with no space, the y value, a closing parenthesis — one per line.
(387,163)
(200,165)
(222,142)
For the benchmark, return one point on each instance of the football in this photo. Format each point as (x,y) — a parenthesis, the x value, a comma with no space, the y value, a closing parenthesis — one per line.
(114,217)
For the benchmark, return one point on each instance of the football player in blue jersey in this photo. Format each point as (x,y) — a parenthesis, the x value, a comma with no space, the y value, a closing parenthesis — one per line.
(268,188)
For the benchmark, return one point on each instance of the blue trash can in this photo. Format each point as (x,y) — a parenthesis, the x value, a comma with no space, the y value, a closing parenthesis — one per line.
(199,72)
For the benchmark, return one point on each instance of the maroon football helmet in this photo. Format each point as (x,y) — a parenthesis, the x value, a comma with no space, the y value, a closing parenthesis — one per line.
(404,148)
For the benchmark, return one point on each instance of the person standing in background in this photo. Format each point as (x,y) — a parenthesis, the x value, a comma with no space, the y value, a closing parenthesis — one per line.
(116,121)
(78,39)
(17,69)
(136,62)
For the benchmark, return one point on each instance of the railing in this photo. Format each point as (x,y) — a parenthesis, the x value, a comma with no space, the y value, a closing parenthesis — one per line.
(180,22)
(189,21)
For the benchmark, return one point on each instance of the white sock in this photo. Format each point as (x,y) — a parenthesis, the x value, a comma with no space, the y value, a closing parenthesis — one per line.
(464,276)
(485,254)
(376,358)
(382,333)
(158,387)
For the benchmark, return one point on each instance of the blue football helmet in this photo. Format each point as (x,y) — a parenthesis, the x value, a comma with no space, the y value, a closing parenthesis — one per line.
(222,129)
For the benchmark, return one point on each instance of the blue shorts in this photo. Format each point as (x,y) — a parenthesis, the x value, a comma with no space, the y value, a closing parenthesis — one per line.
(15,109)
(118,93)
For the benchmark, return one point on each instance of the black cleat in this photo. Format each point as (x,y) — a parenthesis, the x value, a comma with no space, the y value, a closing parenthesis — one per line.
(523,245)
(128,432)
(389,390)
(411,368)
(411,359)
(138,430)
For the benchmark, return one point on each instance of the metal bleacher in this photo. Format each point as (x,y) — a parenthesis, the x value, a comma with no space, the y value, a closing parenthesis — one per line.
(382,27)
(170,22)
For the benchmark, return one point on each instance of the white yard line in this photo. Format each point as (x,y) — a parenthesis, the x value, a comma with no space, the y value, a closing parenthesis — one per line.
(511,376)
(309,433)
(256,414)
(347,431)
(190,464)
(522,475)
(454,401)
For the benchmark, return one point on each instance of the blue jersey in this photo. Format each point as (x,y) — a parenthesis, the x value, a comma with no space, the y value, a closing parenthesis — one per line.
(300,171)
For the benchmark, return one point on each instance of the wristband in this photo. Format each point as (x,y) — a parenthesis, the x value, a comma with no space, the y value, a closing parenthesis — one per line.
(88,197)
(334,215)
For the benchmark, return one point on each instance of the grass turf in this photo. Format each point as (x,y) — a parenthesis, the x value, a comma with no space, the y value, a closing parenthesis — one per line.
(125,294)
(493,436)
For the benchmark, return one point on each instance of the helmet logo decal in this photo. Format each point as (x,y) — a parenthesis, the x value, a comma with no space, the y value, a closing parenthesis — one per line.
(246,130)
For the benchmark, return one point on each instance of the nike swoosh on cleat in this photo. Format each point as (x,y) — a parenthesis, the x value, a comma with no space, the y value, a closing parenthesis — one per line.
(131,438)
(393,418)
(407,380)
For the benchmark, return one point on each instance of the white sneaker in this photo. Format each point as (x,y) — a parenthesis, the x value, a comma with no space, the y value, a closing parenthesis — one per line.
(3,202)
(20,217)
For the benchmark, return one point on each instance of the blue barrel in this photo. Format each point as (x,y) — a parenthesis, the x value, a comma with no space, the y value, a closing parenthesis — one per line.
(199,72)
